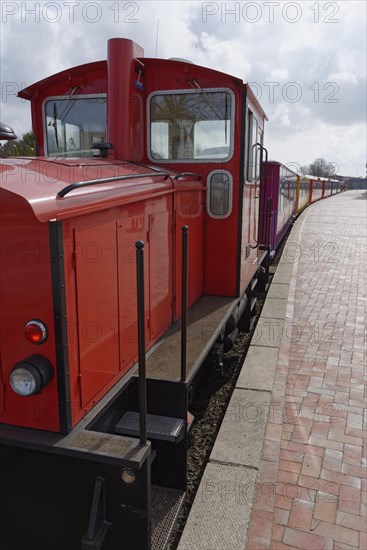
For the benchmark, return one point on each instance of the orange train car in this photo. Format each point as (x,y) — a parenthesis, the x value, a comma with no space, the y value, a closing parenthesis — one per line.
(131,150)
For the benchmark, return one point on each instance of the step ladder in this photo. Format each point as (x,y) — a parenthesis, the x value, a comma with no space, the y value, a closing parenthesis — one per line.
(163,428)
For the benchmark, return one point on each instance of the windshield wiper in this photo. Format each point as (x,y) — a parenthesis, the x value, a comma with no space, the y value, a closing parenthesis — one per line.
(53,122)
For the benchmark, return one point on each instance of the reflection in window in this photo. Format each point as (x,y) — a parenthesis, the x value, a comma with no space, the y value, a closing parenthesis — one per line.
(190,125)
(74,124)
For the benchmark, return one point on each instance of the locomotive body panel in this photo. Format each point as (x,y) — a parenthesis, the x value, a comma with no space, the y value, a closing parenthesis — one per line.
(189,205)
(99,227)
(25,294)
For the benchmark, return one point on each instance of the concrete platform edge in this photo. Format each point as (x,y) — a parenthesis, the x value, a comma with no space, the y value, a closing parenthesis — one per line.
(210,526)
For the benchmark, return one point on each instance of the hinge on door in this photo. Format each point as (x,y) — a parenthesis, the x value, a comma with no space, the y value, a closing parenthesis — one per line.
(148,322)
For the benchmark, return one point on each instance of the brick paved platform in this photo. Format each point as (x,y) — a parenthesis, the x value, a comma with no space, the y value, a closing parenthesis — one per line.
(306,404)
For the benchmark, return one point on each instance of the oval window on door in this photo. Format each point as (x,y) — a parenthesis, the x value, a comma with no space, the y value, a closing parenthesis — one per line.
(219,194)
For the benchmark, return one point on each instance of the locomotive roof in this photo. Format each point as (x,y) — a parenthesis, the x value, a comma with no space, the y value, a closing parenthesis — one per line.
(252,96)
(74,75)
(79,73)
(39,182)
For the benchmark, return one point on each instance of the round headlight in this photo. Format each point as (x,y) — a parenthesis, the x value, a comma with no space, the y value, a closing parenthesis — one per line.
(24,381)
(31,375)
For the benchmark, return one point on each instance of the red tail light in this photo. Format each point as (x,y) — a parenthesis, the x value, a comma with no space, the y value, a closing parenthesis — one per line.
(35,331)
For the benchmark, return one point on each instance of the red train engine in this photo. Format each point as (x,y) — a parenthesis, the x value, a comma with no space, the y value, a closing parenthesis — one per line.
(131,149)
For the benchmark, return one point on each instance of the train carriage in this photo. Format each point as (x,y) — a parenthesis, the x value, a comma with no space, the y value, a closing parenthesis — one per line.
(335,186)
(279,194)
(302,193)
(131,150)
(316,188)
(326,188)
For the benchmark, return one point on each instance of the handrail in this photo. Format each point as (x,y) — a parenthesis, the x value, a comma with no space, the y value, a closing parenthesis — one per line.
(141,342)
(269,210)
(145,165)
(268,221)
(185,230)
(262,192)
(186,174)
(86,183)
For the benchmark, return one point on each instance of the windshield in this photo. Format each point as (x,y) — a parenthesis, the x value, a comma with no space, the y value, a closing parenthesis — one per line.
(73,125)
(191,125)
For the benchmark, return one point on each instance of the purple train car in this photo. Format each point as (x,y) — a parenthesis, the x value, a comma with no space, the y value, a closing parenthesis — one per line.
(278,203)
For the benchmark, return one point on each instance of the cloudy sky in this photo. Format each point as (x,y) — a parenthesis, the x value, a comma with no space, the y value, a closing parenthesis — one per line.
(306,60)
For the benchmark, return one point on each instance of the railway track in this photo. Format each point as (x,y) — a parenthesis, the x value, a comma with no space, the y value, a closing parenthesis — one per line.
(209,406)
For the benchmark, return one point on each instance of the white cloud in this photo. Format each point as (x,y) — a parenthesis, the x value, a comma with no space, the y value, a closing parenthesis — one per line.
(322,52)
(344,77)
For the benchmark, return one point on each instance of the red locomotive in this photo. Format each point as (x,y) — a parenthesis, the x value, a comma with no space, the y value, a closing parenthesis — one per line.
(131,150)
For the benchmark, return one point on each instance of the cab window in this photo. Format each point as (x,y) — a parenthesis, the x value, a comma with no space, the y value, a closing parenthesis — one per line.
(74,124)
(195,125)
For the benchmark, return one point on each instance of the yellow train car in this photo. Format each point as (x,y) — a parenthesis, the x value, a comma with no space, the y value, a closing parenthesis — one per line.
(302,193)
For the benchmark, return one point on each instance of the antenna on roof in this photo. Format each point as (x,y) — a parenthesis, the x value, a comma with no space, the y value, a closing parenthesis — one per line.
(156,39)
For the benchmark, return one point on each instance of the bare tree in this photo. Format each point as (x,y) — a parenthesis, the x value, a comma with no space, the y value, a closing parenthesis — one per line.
(321,168)
(304,170)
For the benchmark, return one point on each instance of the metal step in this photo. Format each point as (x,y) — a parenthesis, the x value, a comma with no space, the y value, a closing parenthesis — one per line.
(166,505)
(253,304)
(164,428)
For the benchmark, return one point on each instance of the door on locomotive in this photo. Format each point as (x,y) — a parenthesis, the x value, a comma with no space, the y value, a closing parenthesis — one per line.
(254,189)
(212,132)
